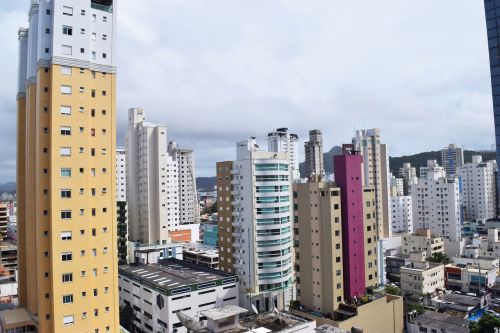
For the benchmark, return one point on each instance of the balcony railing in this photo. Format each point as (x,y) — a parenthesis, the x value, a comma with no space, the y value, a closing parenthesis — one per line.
(104,8)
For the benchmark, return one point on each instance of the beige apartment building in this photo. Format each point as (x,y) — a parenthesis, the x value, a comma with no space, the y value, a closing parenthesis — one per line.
(68,277)
(420,276)
(422,241)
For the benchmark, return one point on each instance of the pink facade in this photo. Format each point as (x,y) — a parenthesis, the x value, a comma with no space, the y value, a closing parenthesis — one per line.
(347,169)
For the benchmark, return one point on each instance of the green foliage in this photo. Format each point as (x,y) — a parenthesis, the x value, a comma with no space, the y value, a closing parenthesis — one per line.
(486,324)
(417,307)
(440,258)
(392,290)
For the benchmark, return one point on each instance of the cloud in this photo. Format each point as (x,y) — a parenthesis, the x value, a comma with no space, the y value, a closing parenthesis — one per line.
(215,74)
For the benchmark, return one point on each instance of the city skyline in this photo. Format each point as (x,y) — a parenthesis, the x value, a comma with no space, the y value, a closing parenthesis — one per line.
(299,65)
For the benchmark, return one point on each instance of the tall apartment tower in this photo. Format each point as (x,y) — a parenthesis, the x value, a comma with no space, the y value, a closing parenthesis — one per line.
(358,245)
(409,175)
(66,166)
(478,195)
(255,225)
(189,209)
(283,141)
(152,181)
(492,10)
(3,220)
(452,158)
(376,175)
(432,165)
(436,204)
(318,246)
(313,149)
(121,205)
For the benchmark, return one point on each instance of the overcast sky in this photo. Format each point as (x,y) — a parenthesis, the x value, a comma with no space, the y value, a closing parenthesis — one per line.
(219,71)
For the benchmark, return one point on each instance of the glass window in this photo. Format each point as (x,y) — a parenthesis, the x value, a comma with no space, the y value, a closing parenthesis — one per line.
(66,90)
(65,70)
(68,320)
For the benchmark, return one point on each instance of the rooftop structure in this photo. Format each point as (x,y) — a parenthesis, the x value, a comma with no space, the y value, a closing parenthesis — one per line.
(439,322)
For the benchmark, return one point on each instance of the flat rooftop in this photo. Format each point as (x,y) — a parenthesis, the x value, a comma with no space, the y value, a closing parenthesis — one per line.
(443,322)
(17,316)
(223,312)
(461,299)
(173,273)
(329,329)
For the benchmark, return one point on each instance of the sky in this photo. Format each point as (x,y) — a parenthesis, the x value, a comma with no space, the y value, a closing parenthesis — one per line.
(216,72)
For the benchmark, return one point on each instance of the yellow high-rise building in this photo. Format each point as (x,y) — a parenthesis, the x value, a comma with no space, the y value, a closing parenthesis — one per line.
(66,166)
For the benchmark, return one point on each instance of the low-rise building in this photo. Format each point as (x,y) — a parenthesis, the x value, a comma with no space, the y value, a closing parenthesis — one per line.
(151,253)
(8,257)
(422,241)
(470,275)
(155,292)
(204,256)
(490,245)
(393,266)
(420,276)
(431,321)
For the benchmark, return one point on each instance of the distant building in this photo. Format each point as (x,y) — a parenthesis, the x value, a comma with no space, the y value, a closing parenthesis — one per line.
(393,266)
(282,140)
(3,220)
(478,197)
(422,241)
(452,158)
(490,246)
(436,204)
(203,256)
(376,175)
(396,186)
(402,214)
(121,205)
(432,165)
(470,275)
(313,149)
(8,257)
(211,234)
(431,321)
(409,175)
(152,253)
(155,292)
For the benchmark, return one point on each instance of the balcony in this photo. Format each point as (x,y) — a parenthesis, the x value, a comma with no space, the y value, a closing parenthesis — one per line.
(104,5)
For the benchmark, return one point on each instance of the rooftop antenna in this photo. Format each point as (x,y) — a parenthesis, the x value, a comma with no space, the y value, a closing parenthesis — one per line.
(192,325)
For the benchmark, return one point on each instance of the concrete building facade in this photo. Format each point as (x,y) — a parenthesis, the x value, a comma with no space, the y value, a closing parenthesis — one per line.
(452,158)
(402,214)
(313,149)
(420,276)
(66,166)
(376,174)
(282,140)
(409,175)
(422,241)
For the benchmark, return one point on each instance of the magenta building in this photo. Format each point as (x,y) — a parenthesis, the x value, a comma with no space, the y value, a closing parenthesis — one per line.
(347,169)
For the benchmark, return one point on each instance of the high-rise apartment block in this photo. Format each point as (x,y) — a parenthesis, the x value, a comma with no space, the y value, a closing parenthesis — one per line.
(255,210)
(313,149)
(436,204)
(121,206)
(432,165)
(396,186)
(66,166)
(478,195)
(409,175)
(402,214)
(452,158)
(189,211)
(376,174)
(492,10)
(359,236)
(152,181)
(121,175)
(3,220)
(283,141)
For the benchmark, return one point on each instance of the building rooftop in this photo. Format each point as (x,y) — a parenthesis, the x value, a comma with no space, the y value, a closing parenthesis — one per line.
(16,317)
(223,312)
(171,274)
(461,299)
(443,322)
(329,329)
(271,322)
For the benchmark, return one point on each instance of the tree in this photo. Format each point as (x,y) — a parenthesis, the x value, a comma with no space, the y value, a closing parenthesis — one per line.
(486,324)
(439,258)
(392,290)
(417,307)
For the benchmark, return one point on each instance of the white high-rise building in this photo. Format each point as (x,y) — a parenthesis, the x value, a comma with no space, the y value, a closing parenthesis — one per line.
(433,165)
(152,181)
(255,225)
(282,141)
(397,186)
(409,175)
(452,157)
(376,174)
(313,150)
(478,189)
(436,204)
(402,214)
(121,175)
(189,211)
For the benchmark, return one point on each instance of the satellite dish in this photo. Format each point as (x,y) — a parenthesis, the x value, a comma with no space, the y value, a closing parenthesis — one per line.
(191,324)
(255,309)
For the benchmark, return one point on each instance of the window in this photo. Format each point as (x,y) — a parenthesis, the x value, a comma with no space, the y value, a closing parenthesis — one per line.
(104,92)
(65,172)
(94,17)
(65,130)
(104,55)
(67,277)
(65,151)
(67,10)
(67,30)
(65,109)
(66,235)
(67,299)
(66,256)
(93,55)
(105,19)
(65,193)
(83,11)
(104,37)
(82,31)
(65,214)
(82,50)
(94,36)
(66,90)
(68,320)
(65,70)
(66,49)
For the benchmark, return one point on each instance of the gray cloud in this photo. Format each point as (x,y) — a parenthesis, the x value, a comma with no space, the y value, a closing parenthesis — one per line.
(217,74)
